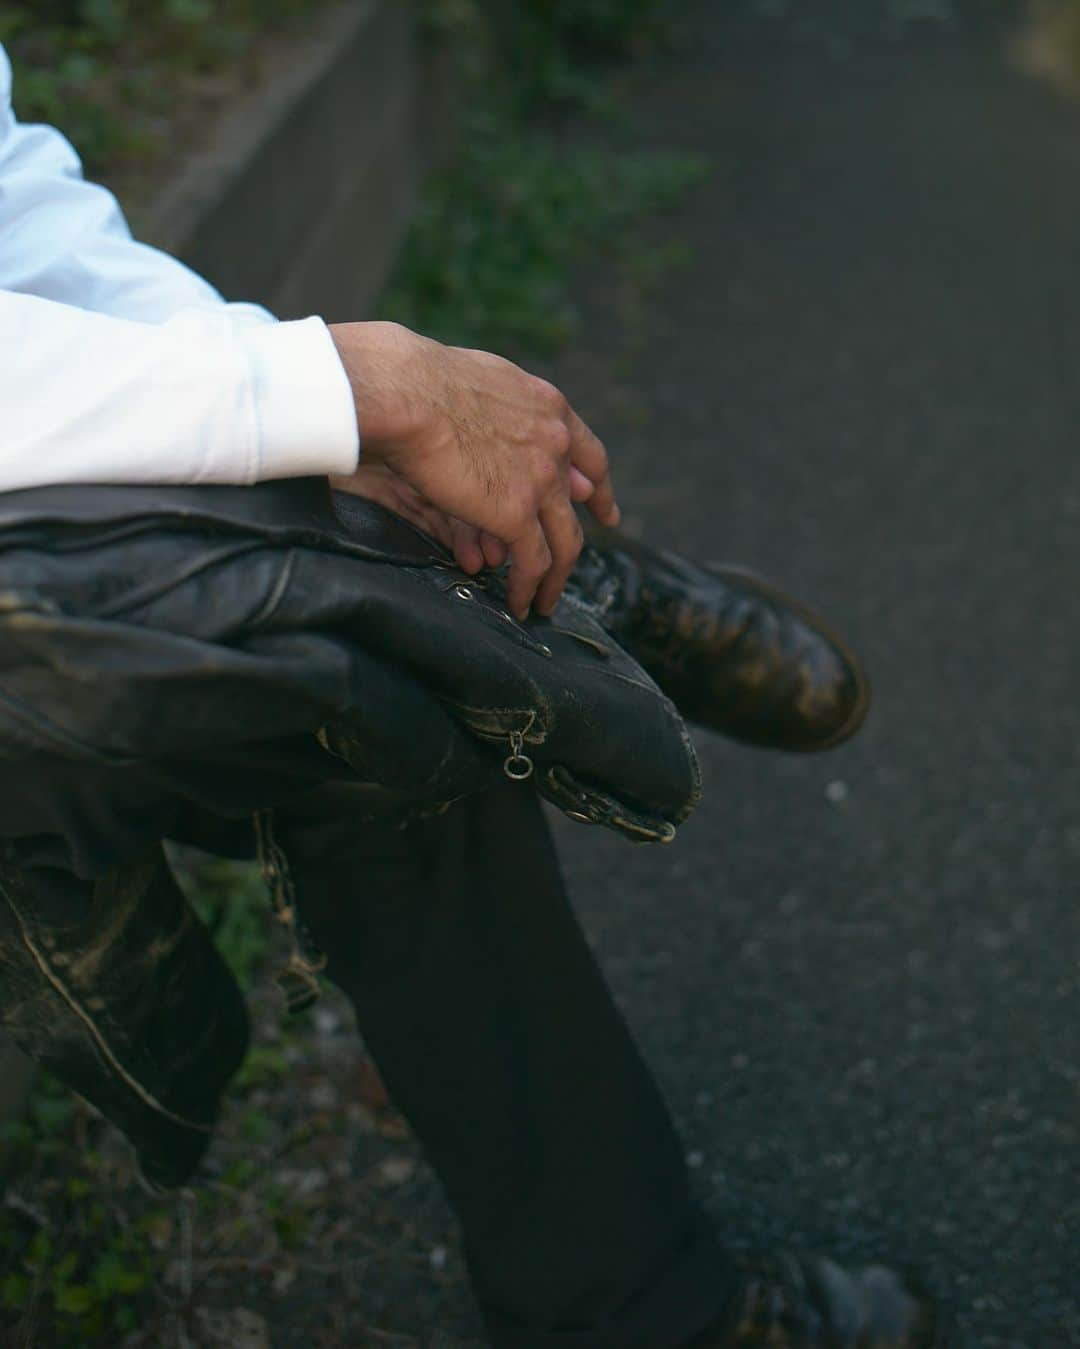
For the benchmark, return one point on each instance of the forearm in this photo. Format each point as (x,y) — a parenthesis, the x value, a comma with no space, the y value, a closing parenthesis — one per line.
(199,399)
(65,239)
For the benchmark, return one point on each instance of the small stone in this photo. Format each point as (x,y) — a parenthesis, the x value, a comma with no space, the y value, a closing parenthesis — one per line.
(393,1171)
(237,1328)
(324,1096)
(393,1126)
(302,1183)
(361,1117)
(284,1278)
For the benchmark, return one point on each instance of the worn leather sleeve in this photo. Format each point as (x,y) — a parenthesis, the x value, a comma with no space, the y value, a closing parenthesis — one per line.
(116,987)
(138,623)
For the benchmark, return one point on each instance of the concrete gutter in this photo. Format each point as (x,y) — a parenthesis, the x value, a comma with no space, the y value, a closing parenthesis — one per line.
(301,198)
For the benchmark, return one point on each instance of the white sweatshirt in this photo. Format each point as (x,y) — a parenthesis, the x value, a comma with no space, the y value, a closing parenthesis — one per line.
(120,364)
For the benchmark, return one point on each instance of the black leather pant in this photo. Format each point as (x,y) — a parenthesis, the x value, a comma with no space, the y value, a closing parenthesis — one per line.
(497,1037)
(496,1034)
(474,988)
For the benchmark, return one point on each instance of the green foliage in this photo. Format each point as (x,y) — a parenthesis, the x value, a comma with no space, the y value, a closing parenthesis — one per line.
(84,1250)
(490,255)
(68,1262)
(231,899)
(113,73)
(551,49)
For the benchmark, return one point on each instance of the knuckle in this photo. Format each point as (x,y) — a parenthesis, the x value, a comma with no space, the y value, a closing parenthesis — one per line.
(539,554)
(558,437)
(546,475)
(550,395)
(521,507)
(395,331)
(517,521)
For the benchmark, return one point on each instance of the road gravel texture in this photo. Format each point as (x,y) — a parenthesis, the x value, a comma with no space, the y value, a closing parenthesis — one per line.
(856,975)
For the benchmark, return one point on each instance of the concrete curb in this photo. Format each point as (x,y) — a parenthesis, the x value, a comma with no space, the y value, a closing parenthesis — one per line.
(300,200)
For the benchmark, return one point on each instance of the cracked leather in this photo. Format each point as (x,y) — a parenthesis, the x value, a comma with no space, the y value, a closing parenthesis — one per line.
(151,634)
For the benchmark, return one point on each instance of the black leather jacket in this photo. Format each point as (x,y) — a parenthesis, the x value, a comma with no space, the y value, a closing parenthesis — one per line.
(154,644)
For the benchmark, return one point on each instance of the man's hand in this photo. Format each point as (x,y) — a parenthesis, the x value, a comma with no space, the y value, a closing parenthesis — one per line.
(472,548)
(482,441)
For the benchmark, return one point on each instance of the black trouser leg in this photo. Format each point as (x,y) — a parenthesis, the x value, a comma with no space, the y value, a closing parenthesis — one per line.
(496,1034)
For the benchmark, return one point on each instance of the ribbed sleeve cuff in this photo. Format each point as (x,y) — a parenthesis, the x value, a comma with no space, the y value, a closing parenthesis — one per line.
(304,413)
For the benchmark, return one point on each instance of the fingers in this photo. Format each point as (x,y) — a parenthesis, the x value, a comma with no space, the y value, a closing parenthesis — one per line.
(467,546)
(530,561)
(411,506)
(379,484)
(564,539)
(475,548)
(495,551)
(588,456)
(581,489)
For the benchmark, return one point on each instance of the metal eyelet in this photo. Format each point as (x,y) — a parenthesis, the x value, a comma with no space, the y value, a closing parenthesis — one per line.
(464,592)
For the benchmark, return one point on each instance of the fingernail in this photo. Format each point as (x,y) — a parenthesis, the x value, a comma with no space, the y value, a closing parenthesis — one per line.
(616,515)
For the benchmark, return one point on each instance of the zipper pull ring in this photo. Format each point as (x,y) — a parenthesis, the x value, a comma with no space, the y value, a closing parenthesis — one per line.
(517,765)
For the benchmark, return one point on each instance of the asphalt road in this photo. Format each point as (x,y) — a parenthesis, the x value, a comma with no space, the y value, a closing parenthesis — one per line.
(856,975)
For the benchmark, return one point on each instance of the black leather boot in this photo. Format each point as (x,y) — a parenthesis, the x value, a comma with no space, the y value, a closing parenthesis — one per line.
(806,1302)
(732,652)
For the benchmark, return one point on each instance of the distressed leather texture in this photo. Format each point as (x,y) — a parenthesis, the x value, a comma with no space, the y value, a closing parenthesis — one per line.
(141,623)
(116,987)
(158,642)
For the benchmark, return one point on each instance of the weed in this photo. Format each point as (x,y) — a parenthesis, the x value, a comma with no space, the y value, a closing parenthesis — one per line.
(117,74)
(492,252)
(490,255)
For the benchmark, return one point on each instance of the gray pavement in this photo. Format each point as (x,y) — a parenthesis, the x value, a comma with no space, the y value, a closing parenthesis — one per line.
(856,975)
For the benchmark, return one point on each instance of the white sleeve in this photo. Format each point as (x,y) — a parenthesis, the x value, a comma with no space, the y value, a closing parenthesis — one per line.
(120,364)
(88,398)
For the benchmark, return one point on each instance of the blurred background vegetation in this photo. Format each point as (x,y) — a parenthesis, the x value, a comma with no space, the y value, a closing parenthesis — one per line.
(538,185)
(118,75)
(135,82)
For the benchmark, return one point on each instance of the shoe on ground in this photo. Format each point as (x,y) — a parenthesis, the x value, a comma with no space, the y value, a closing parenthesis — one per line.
(734,653)
(808,1302)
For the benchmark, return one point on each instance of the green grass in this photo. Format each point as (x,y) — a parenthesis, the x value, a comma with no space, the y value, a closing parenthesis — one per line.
(122,77)
(83,1248)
